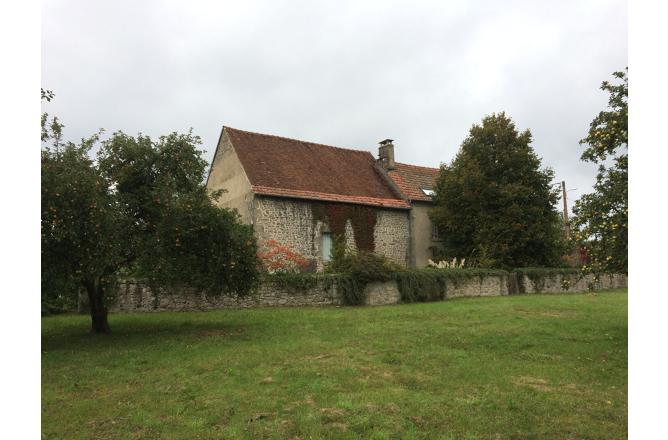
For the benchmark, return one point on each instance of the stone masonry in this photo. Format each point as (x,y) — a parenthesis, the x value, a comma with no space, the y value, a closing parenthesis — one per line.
(291,223)
(392,235)
(287,221)
(135,296)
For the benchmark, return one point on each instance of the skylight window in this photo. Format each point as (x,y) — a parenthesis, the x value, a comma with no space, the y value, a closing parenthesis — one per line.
(428,192)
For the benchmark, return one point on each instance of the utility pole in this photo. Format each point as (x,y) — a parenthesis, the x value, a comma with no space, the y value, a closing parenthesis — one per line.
(567,225)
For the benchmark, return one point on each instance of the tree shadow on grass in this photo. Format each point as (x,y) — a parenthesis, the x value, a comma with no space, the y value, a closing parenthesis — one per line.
(139,331)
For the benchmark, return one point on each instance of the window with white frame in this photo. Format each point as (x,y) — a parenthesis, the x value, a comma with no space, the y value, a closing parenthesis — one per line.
(326,246)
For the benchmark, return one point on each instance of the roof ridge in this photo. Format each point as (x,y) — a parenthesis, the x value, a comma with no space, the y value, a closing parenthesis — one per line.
(299,140)
(417,166)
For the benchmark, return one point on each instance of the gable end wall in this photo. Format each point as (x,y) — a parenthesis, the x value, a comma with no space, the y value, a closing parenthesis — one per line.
(227,173)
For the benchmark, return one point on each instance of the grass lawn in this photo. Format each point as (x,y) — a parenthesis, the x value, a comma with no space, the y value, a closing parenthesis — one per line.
(519,367)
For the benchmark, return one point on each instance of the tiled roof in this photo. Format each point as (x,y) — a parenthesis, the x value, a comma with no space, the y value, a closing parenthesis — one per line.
(315,195)
(411,179)
(286,167)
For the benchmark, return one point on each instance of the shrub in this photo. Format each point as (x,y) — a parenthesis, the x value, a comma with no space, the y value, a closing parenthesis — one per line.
(352,290)
(421,285)
(279,259)
(366,266)
(338,261)
(299,282)
(445,264)
(356,270)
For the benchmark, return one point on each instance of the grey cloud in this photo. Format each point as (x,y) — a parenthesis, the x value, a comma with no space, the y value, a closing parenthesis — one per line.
(343,73)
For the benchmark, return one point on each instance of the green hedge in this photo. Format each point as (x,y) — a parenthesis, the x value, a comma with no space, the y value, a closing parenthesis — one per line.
(422,285)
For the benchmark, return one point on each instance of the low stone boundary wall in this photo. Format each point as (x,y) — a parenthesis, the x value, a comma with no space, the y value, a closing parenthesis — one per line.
(492,285)
(559,283)
(136,296)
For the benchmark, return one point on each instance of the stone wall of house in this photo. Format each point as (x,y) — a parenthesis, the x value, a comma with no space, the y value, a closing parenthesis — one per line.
(136,296)
(291,223)
(391,235)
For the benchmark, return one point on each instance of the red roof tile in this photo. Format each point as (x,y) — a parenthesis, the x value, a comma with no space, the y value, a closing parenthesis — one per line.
(411,179)
(286,167)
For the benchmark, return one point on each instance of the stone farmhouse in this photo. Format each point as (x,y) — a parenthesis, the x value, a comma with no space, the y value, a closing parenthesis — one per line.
(302,194)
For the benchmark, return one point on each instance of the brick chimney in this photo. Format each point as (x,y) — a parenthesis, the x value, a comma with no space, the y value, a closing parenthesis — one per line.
(386,154)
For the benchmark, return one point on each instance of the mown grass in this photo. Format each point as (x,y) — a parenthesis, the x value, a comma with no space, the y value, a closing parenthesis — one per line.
(521,367)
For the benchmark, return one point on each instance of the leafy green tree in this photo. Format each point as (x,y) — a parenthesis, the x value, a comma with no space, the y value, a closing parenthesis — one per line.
(494,203)
(141,208)
(80,228)
(600,221)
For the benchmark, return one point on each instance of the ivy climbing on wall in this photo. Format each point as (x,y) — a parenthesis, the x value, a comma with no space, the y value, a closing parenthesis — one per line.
(336,215)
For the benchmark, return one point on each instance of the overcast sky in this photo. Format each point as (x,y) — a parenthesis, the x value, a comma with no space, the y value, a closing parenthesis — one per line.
(342,73)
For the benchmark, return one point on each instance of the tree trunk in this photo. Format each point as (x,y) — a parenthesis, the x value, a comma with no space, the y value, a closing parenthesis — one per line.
(98,312)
